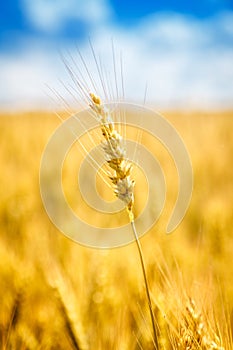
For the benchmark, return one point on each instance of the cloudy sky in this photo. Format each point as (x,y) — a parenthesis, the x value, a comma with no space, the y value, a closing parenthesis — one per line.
(182,50)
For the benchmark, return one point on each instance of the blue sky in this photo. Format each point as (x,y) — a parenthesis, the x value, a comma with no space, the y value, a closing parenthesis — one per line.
(15,16)
(182,49)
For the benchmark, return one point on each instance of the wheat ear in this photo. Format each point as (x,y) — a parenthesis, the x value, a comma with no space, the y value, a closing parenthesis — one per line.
(115,155)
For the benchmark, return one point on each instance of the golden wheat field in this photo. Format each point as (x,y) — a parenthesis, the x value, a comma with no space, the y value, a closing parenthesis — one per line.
(57,294)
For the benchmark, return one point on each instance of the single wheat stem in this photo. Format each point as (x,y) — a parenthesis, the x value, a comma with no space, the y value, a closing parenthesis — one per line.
(13,320)
(68,323)
(115,155)
(146,282)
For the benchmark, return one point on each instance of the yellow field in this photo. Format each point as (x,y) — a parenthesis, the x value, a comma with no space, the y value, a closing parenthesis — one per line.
(56,294)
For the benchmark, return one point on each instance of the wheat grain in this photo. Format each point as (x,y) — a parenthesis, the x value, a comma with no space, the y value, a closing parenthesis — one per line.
(115,155)
(194,333)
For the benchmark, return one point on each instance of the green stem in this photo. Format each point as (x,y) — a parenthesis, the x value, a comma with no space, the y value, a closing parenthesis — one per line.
(146,283)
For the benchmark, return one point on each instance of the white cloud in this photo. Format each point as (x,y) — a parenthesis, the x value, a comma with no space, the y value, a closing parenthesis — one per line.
(186,63)
(24,79)
(50,16)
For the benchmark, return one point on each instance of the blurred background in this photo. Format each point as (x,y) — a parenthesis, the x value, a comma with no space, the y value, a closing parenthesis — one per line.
(182,50)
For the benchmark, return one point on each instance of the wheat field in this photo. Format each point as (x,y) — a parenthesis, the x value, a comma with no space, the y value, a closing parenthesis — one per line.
(57,294)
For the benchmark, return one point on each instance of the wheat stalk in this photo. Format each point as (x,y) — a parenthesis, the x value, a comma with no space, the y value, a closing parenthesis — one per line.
(123,184)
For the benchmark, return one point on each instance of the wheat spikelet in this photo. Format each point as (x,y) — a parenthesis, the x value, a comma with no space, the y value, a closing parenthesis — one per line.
(115,155)
(194,333)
